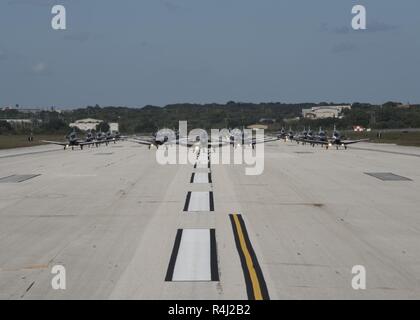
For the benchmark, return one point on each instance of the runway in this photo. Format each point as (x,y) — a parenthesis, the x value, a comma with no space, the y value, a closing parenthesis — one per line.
(125,227)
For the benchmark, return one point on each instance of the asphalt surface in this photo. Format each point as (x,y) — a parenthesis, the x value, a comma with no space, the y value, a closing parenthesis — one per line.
(124,227)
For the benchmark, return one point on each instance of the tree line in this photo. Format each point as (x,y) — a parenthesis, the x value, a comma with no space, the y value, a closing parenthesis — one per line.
(390,115)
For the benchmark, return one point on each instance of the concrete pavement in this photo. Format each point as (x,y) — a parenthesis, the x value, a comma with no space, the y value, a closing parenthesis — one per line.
(111,216)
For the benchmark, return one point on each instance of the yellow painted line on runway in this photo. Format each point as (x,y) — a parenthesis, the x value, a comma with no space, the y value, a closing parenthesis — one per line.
(256,286)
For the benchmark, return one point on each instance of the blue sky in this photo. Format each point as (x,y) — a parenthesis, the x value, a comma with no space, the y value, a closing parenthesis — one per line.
(138,52)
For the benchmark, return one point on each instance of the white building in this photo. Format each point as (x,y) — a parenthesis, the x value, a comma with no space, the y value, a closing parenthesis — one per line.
(85,124)
(114,127)
(324,112)
(91,124)
(19,122)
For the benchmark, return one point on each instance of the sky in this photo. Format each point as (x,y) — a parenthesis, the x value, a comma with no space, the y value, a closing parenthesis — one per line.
(158,52)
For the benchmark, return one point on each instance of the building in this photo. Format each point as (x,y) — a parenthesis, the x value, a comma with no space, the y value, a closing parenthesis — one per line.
(91,124)
(29,110)
(19,122)
(257,127)
(114,127)
(324,112)
(85,124)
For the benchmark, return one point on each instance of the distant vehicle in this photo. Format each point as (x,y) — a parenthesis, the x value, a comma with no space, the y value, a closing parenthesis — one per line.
(74,141)
(101,138)
(290,135)
(281,134)
(89,136)
(239,138)
(170,137)
(312,139)
(158,139)
(286,135)
(301,136)
(322,136)
(338,141)
(233,138)
(358,129)
(310,135)
(307,136)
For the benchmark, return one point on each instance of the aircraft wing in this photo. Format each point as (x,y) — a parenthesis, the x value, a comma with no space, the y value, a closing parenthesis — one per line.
(101,141)
(347,142)
(265,140)
(184,142)
(210,144)
(56,142)
(314,141)
(146,142)
(86,143)
(218,144)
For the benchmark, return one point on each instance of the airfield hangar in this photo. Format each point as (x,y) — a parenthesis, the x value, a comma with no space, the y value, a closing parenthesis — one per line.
(324,112)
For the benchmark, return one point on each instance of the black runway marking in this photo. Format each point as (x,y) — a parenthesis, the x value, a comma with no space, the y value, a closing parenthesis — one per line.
(210,181)
(187,201)
(211,201)
(192,178)
(213,256)
(172,261)
(16,178)
(387,176)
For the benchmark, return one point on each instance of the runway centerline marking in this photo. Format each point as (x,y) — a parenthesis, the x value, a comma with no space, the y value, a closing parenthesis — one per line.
(194,256)
(200,177)
(199,201)
(254,278)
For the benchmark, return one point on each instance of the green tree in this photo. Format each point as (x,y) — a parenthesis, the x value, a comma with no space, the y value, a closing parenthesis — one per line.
(103,126)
